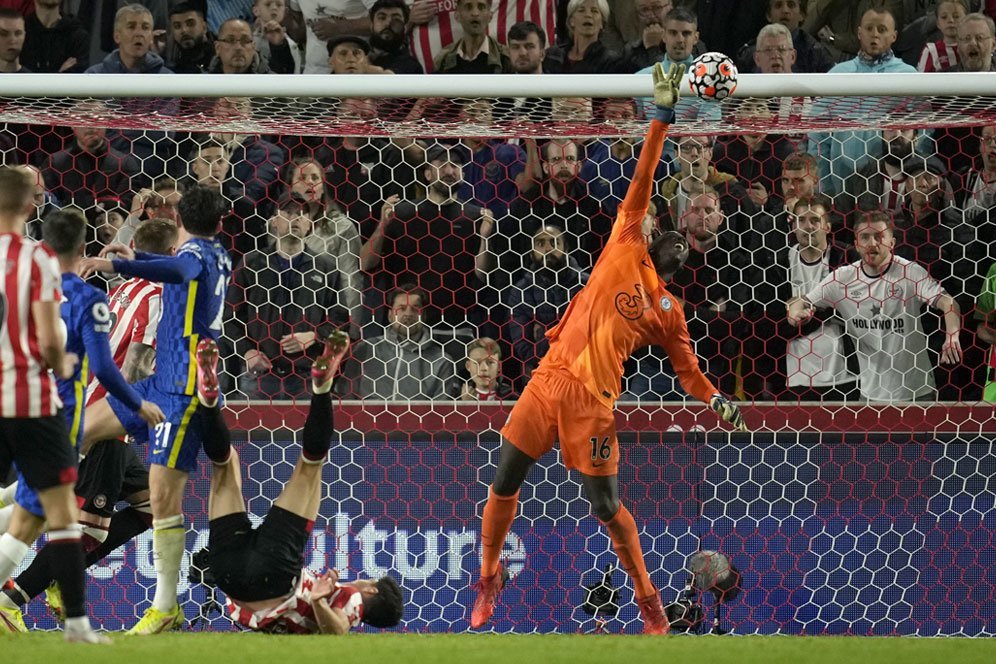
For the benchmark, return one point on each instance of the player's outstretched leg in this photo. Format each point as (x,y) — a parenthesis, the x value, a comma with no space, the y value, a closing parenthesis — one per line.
(499,512)
(302,493)
(603,493)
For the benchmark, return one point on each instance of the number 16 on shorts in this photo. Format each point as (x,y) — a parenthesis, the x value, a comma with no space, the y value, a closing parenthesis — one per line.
(601,450)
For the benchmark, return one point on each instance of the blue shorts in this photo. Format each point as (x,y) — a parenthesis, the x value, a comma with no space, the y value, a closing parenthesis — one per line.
(175,442)
(27,497)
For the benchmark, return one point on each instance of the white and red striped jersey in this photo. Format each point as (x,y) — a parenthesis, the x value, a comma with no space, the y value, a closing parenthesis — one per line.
(443,29)
(30,273)
(937,56)
(294,614)
(136,307)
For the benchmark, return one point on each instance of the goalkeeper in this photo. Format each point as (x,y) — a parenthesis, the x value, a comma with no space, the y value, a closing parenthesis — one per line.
(570,396)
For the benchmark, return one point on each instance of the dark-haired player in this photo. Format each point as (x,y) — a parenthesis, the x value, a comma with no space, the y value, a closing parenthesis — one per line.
(195,282)
(261,570)
(570,396)
(111,470)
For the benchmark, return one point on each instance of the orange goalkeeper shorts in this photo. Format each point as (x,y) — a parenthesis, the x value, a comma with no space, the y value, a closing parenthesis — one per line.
(555,405)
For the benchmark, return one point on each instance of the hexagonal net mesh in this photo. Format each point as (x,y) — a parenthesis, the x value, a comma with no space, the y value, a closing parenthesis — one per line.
(863,503)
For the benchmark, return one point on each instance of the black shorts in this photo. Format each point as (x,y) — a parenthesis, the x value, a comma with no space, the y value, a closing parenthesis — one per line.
(262,563)
(111,472)
(40,447)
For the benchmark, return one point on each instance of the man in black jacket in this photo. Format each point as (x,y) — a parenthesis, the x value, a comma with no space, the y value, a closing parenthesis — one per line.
(284,301)
(193,45)
(54,43)
(389,46)
(90,168)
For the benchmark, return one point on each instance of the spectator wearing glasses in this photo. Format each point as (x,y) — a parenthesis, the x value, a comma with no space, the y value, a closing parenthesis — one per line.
(956,146)
(648,49)
(774,52)
(808,55)
(695,171)
(235,50)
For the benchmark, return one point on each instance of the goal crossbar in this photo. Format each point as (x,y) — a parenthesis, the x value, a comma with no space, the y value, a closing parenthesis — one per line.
(468,85)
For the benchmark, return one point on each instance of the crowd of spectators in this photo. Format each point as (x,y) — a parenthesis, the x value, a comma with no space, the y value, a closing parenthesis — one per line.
(448,261)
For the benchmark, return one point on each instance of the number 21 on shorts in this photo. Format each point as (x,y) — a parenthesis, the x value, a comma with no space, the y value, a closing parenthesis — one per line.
(162,439)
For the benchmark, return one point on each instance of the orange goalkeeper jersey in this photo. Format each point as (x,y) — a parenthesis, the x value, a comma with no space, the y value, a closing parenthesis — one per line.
(624,305)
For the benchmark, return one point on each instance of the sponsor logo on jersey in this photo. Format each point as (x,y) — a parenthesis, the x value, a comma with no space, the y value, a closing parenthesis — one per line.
(632,305)
(122,299)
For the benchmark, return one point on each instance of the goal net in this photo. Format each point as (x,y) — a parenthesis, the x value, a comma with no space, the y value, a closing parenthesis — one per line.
(446,222)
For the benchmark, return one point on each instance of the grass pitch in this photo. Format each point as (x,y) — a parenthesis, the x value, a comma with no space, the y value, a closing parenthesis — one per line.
(207,648)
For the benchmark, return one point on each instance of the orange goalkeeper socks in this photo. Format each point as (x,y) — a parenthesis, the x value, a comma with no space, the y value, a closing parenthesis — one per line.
(498,515)
(626,541)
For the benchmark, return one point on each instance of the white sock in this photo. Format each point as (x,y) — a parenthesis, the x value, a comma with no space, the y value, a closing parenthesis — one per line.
(12,552)
(7,602)
(168,539)
(7,495)
(78,624)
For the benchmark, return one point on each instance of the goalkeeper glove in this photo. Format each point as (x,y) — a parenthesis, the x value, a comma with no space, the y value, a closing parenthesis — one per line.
(666,86)
(728,411)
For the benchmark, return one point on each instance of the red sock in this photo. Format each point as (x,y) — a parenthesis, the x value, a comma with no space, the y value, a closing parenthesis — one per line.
(498,515)
(626,542)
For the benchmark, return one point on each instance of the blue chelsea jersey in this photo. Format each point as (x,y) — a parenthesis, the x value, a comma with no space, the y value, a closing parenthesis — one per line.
(87,317)
(192,310)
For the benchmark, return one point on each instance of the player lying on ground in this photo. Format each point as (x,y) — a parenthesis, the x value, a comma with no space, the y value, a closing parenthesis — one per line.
(33,433)
(261,570)
(571,394)
(111,471)
(194,285)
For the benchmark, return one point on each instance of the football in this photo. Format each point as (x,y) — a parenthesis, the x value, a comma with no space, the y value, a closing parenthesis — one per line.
(712,76)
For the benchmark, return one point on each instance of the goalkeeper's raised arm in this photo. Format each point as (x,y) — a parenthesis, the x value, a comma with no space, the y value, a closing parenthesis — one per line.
(666,95)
